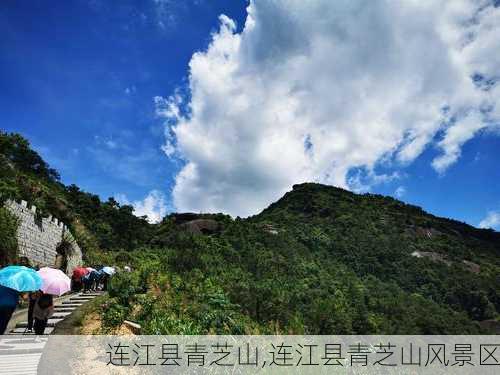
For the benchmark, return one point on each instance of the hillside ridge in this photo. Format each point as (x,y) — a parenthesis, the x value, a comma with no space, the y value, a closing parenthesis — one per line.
(320,260)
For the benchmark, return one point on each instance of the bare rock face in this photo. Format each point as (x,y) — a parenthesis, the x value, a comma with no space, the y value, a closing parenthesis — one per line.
(269,228)
(436,257)
(181,218)
(471,266)
(201,226)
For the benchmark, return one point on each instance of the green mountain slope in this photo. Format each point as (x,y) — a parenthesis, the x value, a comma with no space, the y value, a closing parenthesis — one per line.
(321,260)
(442,260)
(96,225)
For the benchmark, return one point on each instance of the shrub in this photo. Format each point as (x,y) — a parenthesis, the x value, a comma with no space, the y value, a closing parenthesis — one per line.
(123,286)
(113,314)
(8,237)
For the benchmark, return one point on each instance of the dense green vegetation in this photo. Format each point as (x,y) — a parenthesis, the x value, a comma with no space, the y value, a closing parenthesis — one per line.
(321,260)
(98,226)
(8,239)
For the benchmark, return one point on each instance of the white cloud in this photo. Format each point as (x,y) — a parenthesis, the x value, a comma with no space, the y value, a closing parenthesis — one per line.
(454,138)
(130,90)
(310,90)
(400,191)
(492,220)
(108,142)
(170,13)
(153,206)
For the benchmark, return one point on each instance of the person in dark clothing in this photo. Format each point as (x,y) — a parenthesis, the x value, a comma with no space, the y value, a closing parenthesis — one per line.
(76,283)
(44,309)
(32,297)
(105,281)
(87,283)
(8,303)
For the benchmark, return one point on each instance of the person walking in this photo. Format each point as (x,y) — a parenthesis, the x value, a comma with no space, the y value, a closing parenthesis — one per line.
(105,281)
(93,275)
(87,281)
(43,310)
(8,303)
(32,298)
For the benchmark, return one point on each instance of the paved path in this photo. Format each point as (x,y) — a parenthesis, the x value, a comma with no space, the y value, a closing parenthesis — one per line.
(20,352)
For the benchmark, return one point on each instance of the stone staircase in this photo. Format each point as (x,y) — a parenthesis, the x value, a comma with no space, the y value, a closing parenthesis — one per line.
(20,352)
(61,311)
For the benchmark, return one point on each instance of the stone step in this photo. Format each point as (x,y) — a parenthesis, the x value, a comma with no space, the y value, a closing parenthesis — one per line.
(50,323)
(22,331)
(70,304)
(82,298)
(64,309)
(61,314)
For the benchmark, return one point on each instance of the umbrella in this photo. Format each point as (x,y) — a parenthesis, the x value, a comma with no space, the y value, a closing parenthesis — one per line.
(20,278)
(79,272)
(109,270)
(54,281)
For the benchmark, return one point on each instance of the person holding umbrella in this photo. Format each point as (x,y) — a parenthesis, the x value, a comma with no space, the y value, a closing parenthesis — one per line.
(107,273)
(87,283)
(54,283)
(32,298)
(8,303)
(13,280)
(94,280)
(78,273)
(44,309)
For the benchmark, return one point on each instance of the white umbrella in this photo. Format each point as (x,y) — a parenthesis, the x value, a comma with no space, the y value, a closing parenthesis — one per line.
(109,270)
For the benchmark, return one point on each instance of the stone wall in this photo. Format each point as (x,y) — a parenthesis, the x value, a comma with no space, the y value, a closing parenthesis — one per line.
(40,239)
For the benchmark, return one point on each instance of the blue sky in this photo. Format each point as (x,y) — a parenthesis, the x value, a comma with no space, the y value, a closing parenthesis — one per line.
(79,79)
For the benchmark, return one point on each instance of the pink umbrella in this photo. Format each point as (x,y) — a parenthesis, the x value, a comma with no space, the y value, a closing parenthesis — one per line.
(55,282)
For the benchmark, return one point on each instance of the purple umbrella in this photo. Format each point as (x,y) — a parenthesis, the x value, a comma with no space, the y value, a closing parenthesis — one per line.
(55,282)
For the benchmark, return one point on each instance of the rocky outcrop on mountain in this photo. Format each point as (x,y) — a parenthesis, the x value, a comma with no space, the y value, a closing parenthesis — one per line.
(201,226)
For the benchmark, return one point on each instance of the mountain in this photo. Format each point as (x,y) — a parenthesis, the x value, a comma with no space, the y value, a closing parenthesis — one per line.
(321,260)
(324,260)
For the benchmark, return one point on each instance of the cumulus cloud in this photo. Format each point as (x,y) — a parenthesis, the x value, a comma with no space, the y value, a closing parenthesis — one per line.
(454,138)
(492,220)
(400,191)
(310,91)
(153,206)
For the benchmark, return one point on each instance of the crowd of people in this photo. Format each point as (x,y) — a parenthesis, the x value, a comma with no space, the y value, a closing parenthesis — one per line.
(29,284)
(90,279)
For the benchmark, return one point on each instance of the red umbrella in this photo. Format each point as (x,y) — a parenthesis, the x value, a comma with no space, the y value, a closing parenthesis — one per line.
(78,272)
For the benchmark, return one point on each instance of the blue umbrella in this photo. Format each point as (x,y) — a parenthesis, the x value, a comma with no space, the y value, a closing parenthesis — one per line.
(20,278)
